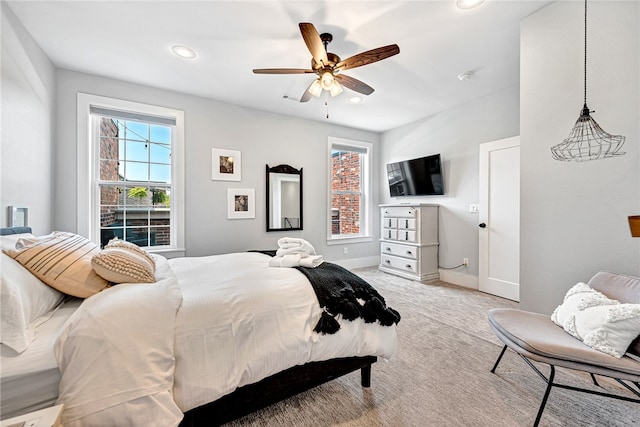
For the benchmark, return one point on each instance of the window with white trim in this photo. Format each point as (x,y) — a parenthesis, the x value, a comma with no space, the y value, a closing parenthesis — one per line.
(349,190)
(134,173)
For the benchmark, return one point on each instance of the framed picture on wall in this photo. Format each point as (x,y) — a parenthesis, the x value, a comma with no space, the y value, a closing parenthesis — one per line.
(226,165)
(18,217)
(241,203)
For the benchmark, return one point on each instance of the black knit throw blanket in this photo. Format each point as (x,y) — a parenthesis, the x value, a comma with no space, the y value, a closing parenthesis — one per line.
(340,292)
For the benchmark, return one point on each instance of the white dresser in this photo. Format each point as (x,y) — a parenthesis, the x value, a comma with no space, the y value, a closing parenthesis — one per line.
(409,240)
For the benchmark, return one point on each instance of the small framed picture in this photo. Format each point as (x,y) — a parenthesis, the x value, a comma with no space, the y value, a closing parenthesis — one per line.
(18,217)
(226,165)
(241,203)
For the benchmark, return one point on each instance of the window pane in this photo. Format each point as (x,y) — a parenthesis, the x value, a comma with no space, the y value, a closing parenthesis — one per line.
(110,195)
(160,153)
(132,171)
(345,214)
(136,131)
(108,127)
(160,134)
(109,170)
(160,236)
(136,151)
(138,235)
(160,198)
(160,173)
(345,171)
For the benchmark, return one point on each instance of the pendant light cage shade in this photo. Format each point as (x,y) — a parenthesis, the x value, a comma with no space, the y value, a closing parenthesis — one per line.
(588,141)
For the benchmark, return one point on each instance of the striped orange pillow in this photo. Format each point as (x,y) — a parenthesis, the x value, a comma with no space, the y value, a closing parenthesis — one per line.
(62,260)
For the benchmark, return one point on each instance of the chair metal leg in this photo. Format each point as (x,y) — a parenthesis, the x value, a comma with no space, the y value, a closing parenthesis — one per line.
(493,371)
(546,395)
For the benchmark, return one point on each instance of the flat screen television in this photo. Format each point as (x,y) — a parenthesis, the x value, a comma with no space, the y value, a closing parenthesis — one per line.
(416,177)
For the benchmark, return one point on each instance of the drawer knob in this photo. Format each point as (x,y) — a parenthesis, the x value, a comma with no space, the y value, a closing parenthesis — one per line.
(387,261)
(408,266)
(409,253)
(388,249)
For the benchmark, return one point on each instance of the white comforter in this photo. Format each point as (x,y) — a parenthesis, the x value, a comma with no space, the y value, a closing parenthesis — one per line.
(142,354)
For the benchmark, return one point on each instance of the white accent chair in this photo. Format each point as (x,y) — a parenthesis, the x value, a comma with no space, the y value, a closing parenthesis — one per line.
(535,337)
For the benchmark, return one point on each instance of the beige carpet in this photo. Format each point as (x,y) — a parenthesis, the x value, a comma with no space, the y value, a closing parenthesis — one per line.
(440,374)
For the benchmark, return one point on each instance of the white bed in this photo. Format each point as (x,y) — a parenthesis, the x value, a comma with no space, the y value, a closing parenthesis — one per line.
(30,379)
(144,354)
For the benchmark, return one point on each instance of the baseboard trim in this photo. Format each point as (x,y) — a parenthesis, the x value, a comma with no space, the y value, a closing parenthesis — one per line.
(351,263)
(460,279)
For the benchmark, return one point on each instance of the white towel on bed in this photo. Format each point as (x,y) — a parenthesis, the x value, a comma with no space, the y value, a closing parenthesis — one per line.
(294,252)
(296,260)
(294,245)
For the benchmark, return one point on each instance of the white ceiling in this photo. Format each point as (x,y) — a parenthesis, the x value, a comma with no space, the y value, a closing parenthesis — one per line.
(132,40)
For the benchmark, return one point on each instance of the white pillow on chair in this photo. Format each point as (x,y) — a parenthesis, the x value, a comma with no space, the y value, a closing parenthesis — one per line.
(602,323)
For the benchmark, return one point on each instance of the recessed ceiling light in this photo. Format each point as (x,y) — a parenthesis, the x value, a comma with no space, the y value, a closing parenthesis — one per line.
(184,52)
(468,4)
(465,76)
(355,99)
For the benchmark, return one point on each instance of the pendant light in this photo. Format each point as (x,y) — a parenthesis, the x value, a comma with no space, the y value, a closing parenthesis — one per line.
(587,140)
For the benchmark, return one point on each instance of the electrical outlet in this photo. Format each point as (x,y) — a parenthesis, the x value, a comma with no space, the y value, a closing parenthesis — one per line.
(465,261)
(345,250)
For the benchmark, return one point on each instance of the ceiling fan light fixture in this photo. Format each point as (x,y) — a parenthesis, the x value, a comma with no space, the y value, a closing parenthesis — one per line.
(327,80)
(468,4)
(336,89)
(316,88)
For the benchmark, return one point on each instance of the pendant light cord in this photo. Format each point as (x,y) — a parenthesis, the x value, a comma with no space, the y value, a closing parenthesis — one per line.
(585,52)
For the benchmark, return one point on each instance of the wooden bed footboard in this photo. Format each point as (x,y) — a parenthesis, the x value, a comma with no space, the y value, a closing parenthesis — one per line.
(250,398)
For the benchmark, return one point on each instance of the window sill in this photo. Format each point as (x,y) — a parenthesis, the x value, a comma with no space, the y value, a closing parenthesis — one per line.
(354,239)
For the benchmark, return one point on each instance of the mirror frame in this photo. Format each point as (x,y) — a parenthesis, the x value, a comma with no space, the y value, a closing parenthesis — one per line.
(284,169)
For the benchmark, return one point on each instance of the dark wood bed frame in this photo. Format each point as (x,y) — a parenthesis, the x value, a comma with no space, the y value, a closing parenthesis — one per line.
(250,398)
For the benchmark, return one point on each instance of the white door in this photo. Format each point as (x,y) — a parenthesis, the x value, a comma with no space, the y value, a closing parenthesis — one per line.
(499,218)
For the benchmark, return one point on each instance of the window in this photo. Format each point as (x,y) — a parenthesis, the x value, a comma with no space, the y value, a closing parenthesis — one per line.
(349,189)
(134,174)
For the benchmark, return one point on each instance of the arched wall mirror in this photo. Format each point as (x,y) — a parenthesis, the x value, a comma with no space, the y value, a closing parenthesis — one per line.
(284,198)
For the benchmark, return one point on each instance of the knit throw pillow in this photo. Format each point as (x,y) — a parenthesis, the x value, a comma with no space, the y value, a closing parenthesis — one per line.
(601,323)
(124,262)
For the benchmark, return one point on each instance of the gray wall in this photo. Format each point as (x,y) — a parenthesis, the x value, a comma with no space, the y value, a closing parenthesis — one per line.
(456,135)
(262,137)
(28,96)
(574,215)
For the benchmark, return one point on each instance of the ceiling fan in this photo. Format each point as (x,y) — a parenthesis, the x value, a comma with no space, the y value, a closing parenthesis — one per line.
(329,67)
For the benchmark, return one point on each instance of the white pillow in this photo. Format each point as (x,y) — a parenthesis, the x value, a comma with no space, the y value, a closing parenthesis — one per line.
(24,301)
(601,323)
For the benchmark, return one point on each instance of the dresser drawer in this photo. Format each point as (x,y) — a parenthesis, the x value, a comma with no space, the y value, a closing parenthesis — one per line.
(406,235)
(399,250)
(390,222)
(406,223)
(390,234)
(399,211)
(408,265)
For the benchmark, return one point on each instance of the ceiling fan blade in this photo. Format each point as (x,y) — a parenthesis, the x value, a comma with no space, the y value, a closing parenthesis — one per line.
(306,96)
(313,42)
(368,57)
(282,71)
(354,84)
